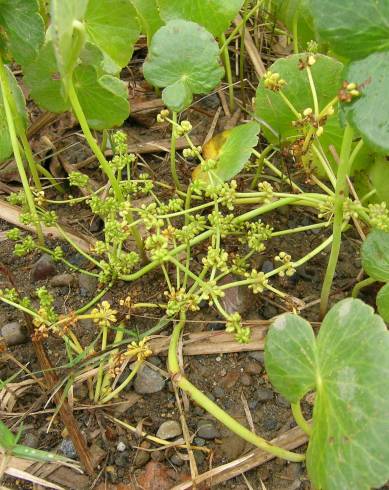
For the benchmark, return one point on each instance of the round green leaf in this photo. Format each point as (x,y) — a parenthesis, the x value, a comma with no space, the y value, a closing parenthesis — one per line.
(287,10)
(186,52)
(20,104)
(214,15)
(290,353)
(375,255)
(103,99)
(353,30)
(67,40)
(149,17)
(369,112)
(112,25)
(236,150)
(24,28)
(382,301)
(278,118)
(44,81)
(177,95)
(349,366)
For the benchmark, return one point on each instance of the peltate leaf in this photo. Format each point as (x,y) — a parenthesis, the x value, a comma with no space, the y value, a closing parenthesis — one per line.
(67,40)
(286,10)
(186,52)
(24,28)
(351,31)
(44,81)
(149,17)
(277,116)
(382,301)
(348,364)
(103,99)
(236,150)
(113,26)
(20,105)
(375,255)
(214,15)
(368,113)
(231,149)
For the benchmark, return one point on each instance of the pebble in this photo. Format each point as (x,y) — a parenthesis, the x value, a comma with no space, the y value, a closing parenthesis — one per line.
(283,402)
(14,334)
(263,394)
(267,266)
(68,449)
(269,311)
(246,380)
(62,280)
(148,381)
(122,459)
(43,268)
(218,392)
(270,424)
(176,460)
(199,441)
(121,447)
(78,260)
(142,457)
(199,457)
(253,367)
(169,430)
(31,439)
(257,355)
(214,326)
(207,430)
(87,284)
(230,380)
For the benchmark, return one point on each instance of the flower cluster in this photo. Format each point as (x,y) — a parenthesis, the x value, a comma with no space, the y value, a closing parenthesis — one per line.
(273,81)
(267,189)
(285,260)
(104,315)
(379,216)
(234,325)
(257,234)
(259,281)
(27,246)
(78,179)
(181,300)
(216,258)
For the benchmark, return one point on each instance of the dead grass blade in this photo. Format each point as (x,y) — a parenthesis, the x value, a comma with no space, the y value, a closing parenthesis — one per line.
(11,214)
(218,342)
(291,439)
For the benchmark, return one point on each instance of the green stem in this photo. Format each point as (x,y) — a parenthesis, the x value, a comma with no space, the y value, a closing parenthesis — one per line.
(79,113)
(100,372)
(360,285)
(173,152)
(227,65)
(30,160)
(295,32)
(314,93)
(340,196)
(121,387)
(7,95)
(299,418)
(260,164)
(213,409)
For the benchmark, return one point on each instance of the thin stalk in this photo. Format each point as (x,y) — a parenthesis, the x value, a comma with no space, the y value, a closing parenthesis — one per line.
(360,285)
(30,160)
(6,91)
(299,418)
(260,164)
(121,387)
(173,167)
(295,32)
(227,66)
(213,409)
(100,373)
(314,93)
(341,191)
